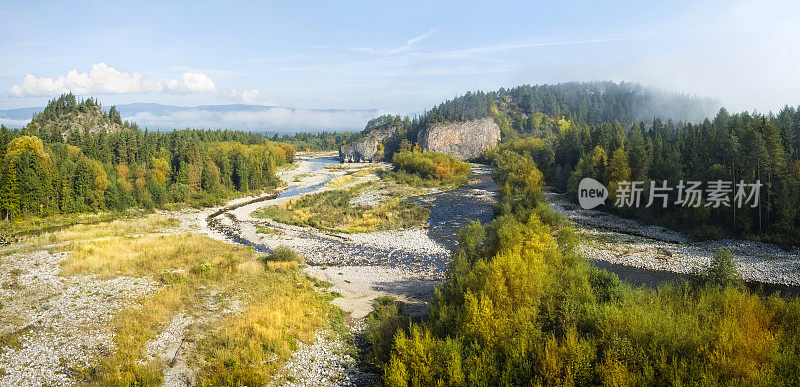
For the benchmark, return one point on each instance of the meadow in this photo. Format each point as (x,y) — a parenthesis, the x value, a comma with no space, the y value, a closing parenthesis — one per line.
(248,311)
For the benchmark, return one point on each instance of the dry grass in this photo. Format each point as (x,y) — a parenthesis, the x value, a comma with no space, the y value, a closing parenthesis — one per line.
(341,181)
(149,254)
(85,232)
(251,346)
(331,210)
(347,179)
(280,304)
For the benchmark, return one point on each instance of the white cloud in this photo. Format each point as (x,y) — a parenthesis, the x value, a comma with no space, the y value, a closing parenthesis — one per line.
(250,97)
(36,86)
(104,79)
(192,83)
(401,49)
(270,118)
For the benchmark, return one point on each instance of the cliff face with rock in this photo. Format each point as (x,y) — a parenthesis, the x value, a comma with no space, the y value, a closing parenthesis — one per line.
(463,140)
(366,149)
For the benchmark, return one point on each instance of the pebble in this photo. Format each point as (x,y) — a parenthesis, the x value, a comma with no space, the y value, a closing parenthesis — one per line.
(63,322)
(628,242)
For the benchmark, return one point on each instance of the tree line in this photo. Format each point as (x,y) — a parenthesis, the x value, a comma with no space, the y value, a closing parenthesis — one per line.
(744,147)
(521,306)
(43,172)
(612,132)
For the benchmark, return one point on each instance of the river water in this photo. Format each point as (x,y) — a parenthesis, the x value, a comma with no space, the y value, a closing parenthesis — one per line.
(635,257)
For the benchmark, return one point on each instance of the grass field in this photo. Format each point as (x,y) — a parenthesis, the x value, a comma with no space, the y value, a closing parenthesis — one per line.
(248,314)
(334,211)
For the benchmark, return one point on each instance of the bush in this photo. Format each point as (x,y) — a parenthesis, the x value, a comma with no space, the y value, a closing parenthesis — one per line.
(179,193)
(723,270)
(284,254)
(520,306)
(424,168)
(382,324)
(605,285)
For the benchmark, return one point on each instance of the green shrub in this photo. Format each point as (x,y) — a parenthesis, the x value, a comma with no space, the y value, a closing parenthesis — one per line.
(284,254)
(605,285)
(382,324)
(520,306)
(428,169)
(723,270)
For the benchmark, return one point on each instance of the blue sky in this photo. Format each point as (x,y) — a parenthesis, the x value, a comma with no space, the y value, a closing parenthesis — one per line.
(398,57)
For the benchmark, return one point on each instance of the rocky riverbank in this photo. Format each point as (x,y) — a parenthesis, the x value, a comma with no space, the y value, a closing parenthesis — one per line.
(404,264)
(621,241)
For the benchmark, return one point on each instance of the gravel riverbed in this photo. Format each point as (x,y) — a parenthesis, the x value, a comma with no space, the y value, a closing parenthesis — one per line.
(404,264)
(627,242)
(57,322)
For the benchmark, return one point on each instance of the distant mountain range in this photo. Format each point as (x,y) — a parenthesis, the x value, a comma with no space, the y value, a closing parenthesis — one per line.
(235,116)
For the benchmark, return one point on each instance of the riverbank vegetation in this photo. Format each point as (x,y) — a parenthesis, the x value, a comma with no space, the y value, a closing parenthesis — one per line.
(613,132)
(364,207)
(246,315)
(520,306)
(312,142)
(732,147)
(45,171)
(428,169)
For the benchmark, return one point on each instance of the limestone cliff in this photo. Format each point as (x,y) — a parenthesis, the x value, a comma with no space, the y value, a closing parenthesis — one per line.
(365,149)
(463,140)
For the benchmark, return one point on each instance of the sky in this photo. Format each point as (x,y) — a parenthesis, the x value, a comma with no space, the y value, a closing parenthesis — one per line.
(397,57)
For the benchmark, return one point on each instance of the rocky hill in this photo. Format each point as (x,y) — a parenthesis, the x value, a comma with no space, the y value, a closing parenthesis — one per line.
(94,120)
(65,115)
(463,140)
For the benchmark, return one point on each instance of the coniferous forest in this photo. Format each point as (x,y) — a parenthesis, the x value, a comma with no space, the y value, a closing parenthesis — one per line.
(521,305)
(50,167)
(616,132)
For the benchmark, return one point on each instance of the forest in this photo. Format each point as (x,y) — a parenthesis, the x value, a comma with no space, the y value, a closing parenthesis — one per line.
(48,168)
(613,132)
(318,141)
(746,147)
(521,306)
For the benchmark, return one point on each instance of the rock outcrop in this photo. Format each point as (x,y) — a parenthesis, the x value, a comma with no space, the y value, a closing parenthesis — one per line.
(463,140)
(91,119)
(365,149)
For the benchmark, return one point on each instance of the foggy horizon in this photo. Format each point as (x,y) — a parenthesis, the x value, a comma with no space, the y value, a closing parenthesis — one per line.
(402,59)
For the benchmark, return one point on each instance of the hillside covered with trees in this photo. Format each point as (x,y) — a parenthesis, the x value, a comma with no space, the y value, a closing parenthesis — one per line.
(615,132)
(524,110)
(51,167)
(522,306)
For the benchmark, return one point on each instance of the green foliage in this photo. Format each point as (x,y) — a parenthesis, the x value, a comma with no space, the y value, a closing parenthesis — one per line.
(428,169)
(284,254)
(41,175)
(575,130)
(521,307)
(723,270)
(385,320)
(319,141)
